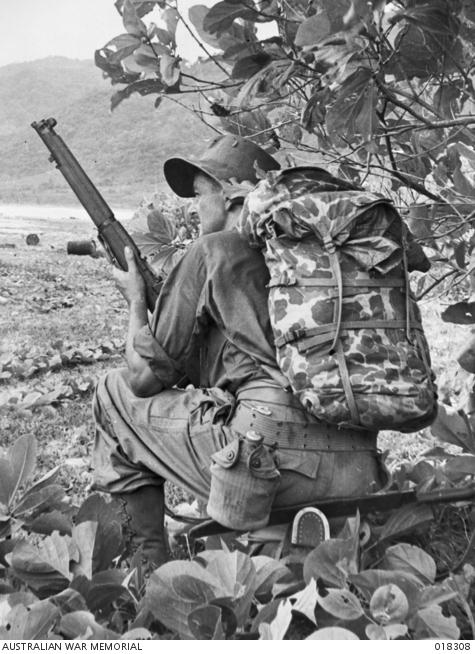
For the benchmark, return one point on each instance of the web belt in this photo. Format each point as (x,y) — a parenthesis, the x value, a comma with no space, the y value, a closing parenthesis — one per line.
(308,436)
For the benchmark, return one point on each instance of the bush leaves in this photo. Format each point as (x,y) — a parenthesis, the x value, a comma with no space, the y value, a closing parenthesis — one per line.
(17,467)
(412,559)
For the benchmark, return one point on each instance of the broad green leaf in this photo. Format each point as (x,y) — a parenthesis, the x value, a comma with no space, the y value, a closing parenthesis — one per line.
(395,630)
(268,571)
(104,589)
(108,540)
(431,623)
(405,519)
(205,623)
(123,41)
(436,594)
(267,613)
(190,589)
(315,109)
(31,399)
(228,617)
(305,601)
(131,66)
(47,498)
(69,600)
(17,467)
(333,633)
(82,624)
(222,15)
(465,151)
(163,36)
(388,604)
(375,632)
(417,53)
(34,622)
(165,258)
(35,563)
(7,482)
(51,521)
(459,466)
(277,629)
(460,313)
(234,572)
(232,41)
(369,580)
(248,66)
(164,603)
(333,561)
(197,14)
(147,59)
(341,603)
(162,228)
(169,70)
(155,87)
(46,480)
(388,632)
(410,558)
(84,536)
(312,30)
(445,100)
(132,23)
(354,109)
(8,602)
(139,633)
(170,18)
(144,7)
(462,184)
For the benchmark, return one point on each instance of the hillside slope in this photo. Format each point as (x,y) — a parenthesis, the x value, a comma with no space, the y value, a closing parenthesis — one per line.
(122,152)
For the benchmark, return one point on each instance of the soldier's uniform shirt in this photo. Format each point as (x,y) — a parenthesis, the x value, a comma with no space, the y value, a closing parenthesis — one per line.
(211,322)
(211,328)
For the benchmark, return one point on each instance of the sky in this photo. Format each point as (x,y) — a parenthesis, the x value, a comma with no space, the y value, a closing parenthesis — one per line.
(33,29)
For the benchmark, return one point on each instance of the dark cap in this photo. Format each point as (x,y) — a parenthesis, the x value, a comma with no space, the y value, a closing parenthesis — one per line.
(225,158)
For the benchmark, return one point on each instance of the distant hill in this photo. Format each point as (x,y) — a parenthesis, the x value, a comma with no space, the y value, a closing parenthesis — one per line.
(122,152)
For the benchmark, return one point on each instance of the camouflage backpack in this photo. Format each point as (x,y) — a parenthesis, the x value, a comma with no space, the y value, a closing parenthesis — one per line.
(347,329)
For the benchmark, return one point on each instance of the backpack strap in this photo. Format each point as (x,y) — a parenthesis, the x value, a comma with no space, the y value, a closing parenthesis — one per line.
(345,380)
(330,248)
(323,333)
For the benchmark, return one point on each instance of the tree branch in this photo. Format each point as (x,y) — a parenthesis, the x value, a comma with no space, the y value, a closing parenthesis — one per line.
(196,39)
(439,124)
(436,283)
(391,97)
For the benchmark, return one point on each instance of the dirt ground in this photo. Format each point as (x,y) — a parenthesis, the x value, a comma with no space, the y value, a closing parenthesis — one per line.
(62,325)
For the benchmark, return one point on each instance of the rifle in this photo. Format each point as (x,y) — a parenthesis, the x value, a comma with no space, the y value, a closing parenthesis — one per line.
(348,506)
(111,233)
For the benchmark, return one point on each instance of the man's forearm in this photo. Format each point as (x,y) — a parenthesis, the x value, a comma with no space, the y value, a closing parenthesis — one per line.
(141,378)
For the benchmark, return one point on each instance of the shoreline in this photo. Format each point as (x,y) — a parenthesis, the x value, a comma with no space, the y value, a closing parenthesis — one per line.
(29,211)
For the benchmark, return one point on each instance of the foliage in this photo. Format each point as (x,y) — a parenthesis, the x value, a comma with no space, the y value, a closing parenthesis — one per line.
(28,362)
(380,92)
(51,586)
(62,577)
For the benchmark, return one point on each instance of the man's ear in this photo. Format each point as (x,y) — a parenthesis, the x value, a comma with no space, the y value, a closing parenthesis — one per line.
(235,191)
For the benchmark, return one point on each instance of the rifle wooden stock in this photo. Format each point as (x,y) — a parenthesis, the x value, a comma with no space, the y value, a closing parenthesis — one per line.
(111,233)
(347,506)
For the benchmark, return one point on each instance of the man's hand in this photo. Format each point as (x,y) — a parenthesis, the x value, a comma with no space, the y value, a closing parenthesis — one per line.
(130,282)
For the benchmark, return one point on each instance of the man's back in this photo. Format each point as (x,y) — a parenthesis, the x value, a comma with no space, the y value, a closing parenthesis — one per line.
(212,319)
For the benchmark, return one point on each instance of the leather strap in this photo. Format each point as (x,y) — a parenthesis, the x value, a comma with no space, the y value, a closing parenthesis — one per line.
(329,328)
(345,380)
(271,395)
(310,436)
(384,282)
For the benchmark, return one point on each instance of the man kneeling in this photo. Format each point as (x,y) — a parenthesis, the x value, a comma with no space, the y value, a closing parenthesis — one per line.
(210,328)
